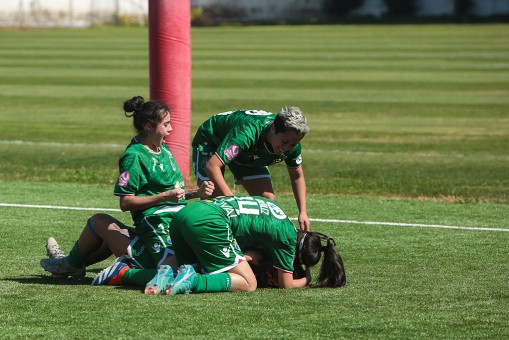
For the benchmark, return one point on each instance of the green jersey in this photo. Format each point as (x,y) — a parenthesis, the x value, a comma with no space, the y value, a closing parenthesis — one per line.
(146,173)
(258,223)
(239,137)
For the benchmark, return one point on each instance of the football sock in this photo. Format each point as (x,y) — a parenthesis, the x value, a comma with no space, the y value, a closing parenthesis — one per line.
(220,282)
(138,277)
(76,257)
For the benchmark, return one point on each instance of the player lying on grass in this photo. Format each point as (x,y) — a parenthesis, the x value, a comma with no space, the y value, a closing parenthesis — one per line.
(248,141)
(151,187)
(210,234)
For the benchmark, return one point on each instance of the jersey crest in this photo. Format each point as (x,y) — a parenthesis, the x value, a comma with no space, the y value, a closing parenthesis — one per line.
(123,179)
(232,152)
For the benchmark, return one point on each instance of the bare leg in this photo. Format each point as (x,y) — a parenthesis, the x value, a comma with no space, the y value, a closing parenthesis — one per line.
(259,187)
(111,236)
(243,278)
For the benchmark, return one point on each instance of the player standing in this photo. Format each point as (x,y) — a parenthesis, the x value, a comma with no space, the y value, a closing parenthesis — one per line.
(249,141)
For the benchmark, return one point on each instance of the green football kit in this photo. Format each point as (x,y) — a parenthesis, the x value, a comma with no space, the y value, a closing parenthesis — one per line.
(146,173)
(210,234)
(238,139)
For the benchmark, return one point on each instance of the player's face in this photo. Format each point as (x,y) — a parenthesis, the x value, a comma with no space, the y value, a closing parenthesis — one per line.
(285,141)
(162,130)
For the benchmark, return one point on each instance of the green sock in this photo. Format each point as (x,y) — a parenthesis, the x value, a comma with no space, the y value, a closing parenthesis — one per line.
(221,282)
(138,277)
(76,257)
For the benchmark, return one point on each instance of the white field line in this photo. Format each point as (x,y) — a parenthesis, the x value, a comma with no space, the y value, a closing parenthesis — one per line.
(56,207)
(415,225)
(304,150)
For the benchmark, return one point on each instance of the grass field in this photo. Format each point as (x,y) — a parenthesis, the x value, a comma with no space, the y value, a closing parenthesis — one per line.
(407,165)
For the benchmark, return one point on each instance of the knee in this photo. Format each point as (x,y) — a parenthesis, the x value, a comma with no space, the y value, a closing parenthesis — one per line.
(252,286)
(269,195)
(251,283)
(102,222)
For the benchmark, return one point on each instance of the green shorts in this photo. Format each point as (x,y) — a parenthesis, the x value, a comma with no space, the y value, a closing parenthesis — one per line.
(202,154)
(202,237)
(153,244)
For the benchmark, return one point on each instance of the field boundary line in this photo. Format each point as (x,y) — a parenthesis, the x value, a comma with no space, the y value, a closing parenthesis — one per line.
(392,224)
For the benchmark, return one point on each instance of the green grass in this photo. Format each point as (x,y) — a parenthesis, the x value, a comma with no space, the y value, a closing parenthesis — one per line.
(403,282)
(397,111)
(409,124)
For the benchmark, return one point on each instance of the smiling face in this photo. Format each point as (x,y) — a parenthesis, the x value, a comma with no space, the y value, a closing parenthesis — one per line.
(284,141)
(157,133)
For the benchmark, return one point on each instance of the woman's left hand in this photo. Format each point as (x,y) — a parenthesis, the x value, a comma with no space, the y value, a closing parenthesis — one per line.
(206,189)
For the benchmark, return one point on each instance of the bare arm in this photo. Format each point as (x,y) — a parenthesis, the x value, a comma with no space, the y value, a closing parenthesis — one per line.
(287,281)
(133,203)
(213,170)
(299,192)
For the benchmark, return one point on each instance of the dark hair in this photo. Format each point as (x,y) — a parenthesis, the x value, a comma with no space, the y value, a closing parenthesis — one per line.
(143,112)
(309,252)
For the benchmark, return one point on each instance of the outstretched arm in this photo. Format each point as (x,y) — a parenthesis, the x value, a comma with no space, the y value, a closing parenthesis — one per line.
(299,192)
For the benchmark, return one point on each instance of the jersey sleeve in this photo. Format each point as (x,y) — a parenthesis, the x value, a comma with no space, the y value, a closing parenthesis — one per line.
(294,160)
(130,178)
(282,256)
(236,141)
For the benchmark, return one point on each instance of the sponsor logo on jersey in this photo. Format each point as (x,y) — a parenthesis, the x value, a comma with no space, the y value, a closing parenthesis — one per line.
(298,161)
(232,151)
(138,252)
(226,252)
(123,179)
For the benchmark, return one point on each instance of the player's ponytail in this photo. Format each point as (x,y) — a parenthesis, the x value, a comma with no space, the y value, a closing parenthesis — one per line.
(310,246)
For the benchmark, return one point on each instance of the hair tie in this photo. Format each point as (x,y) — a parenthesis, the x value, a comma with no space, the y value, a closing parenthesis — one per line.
(301,244)
(331,240)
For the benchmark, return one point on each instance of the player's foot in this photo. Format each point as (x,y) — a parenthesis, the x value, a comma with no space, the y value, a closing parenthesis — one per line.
(53,250)
(60,267)
(112,275)
(161,282)
(183,281)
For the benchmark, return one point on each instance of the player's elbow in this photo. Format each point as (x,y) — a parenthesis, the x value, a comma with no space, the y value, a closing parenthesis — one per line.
(124,206)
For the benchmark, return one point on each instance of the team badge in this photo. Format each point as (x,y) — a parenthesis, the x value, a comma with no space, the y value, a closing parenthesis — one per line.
(232,151)
(123,179)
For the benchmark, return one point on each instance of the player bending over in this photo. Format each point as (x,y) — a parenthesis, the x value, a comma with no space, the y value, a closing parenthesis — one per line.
(209,236)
